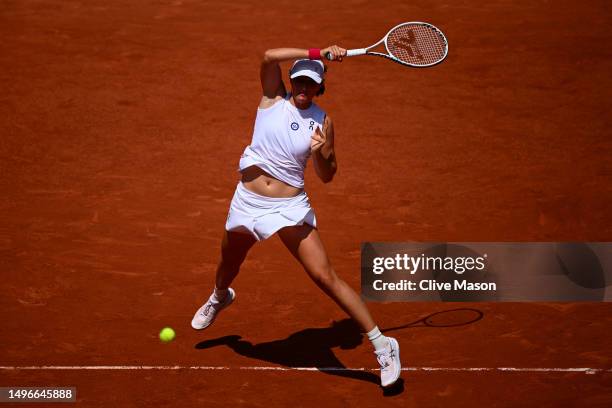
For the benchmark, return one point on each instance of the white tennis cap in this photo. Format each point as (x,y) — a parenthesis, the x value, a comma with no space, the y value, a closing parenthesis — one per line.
(313,69)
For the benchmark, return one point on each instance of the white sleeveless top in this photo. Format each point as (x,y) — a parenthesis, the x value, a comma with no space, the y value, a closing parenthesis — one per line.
(281,140)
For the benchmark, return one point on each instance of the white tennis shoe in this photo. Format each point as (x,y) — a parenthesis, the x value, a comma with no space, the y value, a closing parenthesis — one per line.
(390,365)
(206,315)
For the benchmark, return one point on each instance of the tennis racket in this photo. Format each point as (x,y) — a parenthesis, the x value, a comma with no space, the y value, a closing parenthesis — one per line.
(413,44)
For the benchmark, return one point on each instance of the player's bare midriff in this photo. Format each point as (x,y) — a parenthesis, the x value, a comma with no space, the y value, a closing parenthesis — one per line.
(260,182)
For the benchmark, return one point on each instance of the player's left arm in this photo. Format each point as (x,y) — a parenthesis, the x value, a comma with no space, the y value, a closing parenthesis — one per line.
(323,154)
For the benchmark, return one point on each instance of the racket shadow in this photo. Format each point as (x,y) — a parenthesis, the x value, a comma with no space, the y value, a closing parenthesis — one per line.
(446,318)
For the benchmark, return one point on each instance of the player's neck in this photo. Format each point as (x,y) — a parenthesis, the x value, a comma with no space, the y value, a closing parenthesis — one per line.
(303,106)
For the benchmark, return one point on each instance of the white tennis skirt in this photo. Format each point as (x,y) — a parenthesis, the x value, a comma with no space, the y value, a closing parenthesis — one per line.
(263,216)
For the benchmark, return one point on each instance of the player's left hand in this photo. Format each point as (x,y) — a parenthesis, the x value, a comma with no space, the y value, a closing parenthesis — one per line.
(317,140)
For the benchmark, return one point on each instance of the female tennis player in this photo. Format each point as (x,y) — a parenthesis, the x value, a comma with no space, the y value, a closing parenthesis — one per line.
(270,198)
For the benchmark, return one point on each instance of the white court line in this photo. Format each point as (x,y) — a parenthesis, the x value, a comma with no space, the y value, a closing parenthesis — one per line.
(585,370)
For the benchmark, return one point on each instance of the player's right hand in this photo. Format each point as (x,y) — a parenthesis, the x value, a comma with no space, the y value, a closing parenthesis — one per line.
(336,53)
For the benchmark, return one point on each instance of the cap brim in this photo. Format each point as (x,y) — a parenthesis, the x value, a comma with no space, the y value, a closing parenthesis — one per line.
(307,73)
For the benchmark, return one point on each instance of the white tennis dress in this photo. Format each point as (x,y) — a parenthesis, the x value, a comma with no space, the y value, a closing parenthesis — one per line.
(281,147)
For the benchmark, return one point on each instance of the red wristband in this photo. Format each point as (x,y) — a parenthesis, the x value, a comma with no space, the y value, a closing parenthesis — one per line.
(314,53)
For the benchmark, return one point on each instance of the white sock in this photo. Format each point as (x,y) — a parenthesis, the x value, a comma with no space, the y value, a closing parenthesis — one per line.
(379,341)
(219,294)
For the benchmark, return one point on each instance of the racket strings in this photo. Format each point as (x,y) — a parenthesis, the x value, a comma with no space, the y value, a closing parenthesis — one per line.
(417,44)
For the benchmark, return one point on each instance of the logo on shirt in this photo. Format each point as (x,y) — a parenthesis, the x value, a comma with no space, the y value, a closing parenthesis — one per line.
(311,127)
(294,126)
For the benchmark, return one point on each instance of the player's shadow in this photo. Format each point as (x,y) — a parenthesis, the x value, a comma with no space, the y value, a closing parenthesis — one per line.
(314,346)
(306,348)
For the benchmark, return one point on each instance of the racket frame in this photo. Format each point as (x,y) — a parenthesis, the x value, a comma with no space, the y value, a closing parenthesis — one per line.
(366,51)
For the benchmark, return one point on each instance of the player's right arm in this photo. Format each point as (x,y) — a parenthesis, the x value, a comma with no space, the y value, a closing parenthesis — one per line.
(270,72)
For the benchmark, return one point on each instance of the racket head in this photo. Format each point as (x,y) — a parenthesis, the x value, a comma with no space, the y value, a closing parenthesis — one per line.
(416,44)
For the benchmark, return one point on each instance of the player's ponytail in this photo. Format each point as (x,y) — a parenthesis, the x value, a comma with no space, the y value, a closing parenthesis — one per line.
(322,89)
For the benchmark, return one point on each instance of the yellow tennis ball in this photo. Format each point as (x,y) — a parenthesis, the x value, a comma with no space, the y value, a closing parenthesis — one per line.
(167,334)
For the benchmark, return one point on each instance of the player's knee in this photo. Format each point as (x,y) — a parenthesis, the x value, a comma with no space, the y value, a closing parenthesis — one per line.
(326,278)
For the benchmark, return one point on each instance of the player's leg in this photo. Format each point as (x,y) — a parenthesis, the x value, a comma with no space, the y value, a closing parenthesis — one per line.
(306,246)
(234,248)
(304,243)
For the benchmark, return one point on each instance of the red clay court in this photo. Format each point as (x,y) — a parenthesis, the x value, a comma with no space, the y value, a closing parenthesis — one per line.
(121,128)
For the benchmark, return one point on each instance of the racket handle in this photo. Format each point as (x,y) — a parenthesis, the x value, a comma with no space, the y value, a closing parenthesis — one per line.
(349,53)
(355,52)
